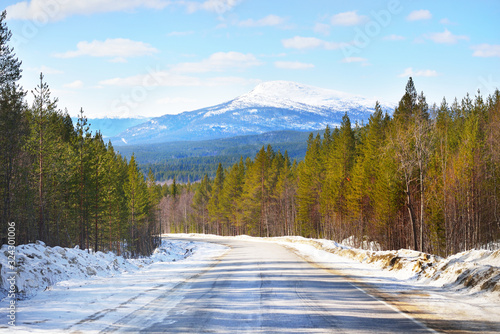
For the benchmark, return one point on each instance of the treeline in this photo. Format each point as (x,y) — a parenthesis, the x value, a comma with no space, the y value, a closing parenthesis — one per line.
(61,184)
(426,178)
(190,169)
(191,161)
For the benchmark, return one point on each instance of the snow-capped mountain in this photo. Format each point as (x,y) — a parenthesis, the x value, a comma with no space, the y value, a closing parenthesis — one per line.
(271,106)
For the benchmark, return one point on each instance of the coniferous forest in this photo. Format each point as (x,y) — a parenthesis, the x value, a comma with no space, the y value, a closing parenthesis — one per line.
(425,178)
(59,183)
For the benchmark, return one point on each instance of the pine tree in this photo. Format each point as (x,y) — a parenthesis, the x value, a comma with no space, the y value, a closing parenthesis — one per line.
(200,203)
(230,198)
(311,176)
(136,192)
(340,161)
(13,133)
(407,138)
(285,194)
(408,103)
(214,203)
(41,144)
(257,192)
(174,189)
(82,177)
(13,128)
(97,164)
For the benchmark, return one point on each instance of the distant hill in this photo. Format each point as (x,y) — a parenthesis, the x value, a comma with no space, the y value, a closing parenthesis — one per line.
(271,106)
(191,160)
(111,127)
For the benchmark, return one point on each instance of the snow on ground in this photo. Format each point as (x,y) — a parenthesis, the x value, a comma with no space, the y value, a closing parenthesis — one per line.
(462,287)
(101,288)
(474,272)
(98,288)
(39,267)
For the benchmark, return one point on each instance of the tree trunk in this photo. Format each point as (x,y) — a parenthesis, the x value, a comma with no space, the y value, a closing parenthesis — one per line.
(412,215)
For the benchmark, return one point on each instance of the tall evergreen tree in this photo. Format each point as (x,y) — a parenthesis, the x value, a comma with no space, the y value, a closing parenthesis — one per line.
(42,146)
(311,176)
(231,195)
(13,128)
(214,204)
(200,203)
(340,161)
(136,192)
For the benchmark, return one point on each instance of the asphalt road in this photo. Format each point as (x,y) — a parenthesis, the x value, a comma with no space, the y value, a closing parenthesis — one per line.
(266,288)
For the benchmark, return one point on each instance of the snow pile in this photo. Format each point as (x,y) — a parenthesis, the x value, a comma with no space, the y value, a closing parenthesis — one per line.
(353,242)
(472,271)
(40,266)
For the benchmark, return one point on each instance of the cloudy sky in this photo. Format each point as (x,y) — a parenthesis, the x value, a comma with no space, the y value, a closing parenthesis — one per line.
(124,58)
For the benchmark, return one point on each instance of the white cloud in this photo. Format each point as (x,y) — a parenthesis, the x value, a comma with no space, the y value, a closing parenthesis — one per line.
(299,42)
(176,76)
(215,6)
(417,15)
(50,11)
(56,10)
(322,28)
(292,65)
(118,48)
(217,62)
(302,43)
(486,50)
(270,20)
(348,19)
(446,37)
(75,84)
(394,37)
(409,72)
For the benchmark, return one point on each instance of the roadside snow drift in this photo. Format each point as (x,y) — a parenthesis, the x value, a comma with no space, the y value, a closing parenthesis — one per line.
(40,266)
(472,271)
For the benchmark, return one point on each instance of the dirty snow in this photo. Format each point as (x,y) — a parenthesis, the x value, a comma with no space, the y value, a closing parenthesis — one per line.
(471,272)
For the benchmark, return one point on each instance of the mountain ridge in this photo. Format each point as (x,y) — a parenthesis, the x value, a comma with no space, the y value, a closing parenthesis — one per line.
(270,106)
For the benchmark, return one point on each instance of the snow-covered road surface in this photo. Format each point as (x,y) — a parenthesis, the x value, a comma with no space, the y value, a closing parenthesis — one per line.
(266,288)
(83,304)
(204,283)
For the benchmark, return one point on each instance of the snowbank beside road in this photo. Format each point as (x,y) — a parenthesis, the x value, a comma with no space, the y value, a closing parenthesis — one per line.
(39,266)
(88,303)
(473,271)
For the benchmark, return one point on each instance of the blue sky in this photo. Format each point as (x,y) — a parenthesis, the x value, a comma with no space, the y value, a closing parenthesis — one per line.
(127,58)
